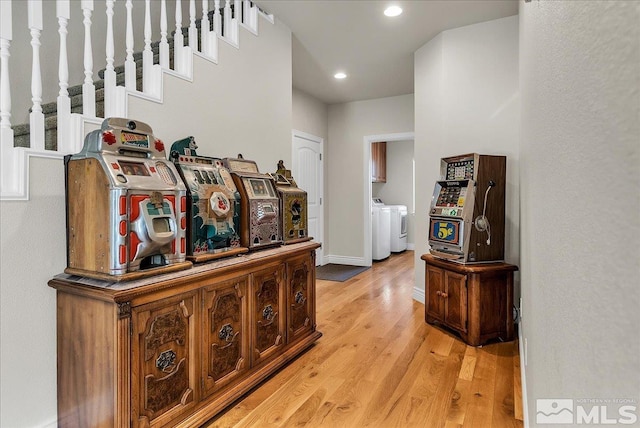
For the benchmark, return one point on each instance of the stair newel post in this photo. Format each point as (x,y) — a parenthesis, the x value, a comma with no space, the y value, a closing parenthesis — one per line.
(178,40)
(88,88)
(164,44)
(11,170)
(63,102)
(129,63)
(36,117)
(227,19)
(193,31)
(204,28)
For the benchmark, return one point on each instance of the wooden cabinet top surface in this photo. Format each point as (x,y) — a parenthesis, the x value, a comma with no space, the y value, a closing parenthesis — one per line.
(120,291)
(469,268)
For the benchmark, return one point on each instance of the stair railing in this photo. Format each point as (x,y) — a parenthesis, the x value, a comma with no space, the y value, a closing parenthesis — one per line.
(70,127)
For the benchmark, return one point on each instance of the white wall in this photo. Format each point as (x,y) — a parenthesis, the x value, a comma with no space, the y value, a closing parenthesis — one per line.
(229,107)
(349,123)
(239,110)
(398,189)
(310,115)
(580,196)
(466,91)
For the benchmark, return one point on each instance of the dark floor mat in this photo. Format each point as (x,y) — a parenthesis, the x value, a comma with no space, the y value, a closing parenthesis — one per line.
(333,272)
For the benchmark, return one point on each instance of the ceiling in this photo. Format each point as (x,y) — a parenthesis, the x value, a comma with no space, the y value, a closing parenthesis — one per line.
(375,51)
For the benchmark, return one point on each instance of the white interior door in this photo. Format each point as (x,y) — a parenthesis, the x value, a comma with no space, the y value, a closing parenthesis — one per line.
(307,170)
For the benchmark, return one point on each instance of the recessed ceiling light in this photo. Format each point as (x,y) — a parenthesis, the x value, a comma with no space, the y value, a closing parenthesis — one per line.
(340,75)
(393,11)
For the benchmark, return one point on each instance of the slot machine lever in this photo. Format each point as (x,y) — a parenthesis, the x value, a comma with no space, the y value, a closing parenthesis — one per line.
(482,222)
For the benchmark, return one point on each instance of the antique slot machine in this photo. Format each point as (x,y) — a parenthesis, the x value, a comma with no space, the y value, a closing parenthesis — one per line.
(260,205)
(467,213)
(213,204)
(126,205)
(293,207)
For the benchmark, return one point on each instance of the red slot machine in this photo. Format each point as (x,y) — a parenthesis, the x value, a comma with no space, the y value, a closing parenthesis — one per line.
(126,205)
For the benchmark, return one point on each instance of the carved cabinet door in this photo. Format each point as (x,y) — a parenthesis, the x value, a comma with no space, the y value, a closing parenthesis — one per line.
(267,313)
(225,338)
(163,375)
(300,298)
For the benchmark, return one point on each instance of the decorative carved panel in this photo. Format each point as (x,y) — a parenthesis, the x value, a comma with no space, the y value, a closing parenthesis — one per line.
(165,357)
(298,297)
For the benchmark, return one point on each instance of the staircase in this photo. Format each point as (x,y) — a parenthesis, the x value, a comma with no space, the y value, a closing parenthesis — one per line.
(22,137)
(52,133)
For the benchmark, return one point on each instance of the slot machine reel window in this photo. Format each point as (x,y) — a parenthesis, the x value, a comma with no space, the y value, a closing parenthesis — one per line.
(260,187)
(134,168)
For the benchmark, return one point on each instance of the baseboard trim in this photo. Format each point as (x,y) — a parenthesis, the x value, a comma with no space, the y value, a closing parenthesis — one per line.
(418,294)
(345,260)
(523,378)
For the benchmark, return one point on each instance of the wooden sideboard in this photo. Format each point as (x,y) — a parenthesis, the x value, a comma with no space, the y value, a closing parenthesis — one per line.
(175,349)
(475,300)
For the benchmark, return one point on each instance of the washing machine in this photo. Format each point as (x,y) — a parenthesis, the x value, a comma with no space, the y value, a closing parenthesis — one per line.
(380,230)
(398,228)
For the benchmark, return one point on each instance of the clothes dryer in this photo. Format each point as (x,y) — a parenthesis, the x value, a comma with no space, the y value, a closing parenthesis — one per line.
(398,228)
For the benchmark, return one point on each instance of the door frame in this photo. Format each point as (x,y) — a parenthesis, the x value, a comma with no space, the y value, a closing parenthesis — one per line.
(319,140)
(366,203)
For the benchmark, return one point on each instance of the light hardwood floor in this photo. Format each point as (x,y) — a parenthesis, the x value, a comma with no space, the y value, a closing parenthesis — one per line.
(380,365)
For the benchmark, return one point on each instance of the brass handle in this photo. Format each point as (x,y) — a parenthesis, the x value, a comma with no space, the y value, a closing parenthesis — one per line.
(445,295)
(438,293)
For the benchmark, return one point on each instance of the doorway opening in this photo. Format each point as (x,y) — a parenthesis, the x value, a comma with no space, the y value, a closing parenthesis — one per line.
(384,189)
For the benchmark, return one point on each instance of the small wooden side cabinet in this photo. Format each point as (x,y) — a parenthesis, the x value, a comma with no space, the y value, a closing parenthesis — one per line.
(175,349)
(474,300)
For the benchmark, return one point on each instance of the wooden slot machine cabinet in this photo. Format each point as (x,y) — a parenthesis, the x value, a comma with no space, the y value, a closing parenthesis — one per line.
(213,204)
(293,207)
(126,205)
(260,205)
(467,213)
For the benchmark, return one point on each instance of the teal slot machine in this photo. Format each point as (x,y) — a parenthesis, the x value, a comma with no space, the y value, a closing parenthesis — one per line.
(213,204)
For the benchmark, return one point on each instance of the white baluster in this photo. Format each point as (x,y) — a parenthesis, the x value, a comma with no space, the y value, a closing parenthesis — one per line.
(63,102)
(178,40)
(204,28)
(250,15)
(217,18)
(164,44)
(129,63)
(147,53)
(5,98)
(88,88)
(237,5)
(36,118)
(109,74)
(193,31)
(227,19)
